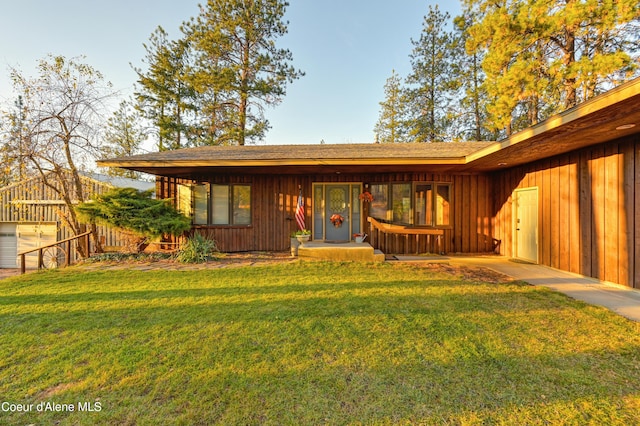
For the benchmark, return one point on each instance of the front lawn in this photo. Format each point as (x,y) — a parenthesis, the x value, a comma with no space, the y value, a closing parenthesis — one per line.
(308,343)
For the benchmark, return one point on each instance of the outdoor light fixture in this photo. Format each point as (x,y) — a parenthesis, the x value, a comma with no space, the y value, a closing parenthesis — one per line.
(626,126)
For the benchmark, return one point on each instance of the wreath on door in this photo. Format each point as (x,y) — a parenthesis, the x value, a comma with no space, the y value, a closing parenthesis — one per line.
(337,220)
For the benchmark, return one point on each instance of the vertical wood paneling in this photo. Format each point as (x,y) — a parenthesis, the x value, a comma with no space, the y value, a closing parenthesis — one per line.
(553,192)
(564,207)
(473,215)
(466,201)
(611,214)
(626,210)
(545,224)
(586,218)
(274,202)
(636,216)
(589,210)
(457,213)
(574,240)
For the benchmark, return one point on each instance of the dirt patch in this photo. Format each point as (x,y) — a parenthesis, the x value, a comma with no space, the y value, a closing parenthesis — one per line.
(468,273)
(6,273)
(146,263)
(54,390)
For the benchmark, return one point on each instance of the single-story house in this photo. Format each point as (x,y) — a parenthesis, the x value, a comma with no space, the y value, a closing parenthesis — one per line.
(30,215)
(563,193)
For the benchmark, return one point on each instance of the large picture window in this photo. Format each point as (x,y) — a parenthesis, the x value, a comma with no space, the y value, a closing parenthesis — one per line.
(222,204)
(420,203)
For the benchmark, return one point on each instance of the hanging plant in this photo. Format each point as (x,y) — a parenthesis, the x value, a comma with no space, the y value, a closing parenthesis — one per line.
(366,197)
(337,220)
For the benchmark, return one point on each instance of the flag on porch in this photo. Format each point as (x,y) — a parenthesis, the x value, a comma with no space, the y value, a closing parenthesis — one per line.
(300,211)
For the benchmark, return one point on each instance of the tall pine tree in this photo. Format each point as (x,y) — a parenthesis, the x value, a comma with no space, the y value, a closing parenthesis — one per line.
(212,86)
(391,125)
(165,95)
(432,84)
(542,57)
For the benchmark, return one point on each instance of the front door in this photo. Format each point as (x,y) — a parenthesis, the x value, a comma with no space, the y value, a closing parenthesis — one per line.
(526,224)
(337,213)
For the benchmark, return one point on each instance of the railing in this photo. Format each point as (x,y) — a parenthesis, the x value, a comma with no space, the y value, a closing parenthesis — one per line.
(380,234)
(54,255)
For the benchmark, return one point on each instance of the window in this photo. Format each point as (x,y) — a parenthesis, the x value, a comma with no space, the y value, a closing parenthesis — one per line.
(424,203)
(184,200)
(432,204)
(443,205)
(391,202)
(222,204)
(401,202)
(200,204)
(428,205)
(379,205)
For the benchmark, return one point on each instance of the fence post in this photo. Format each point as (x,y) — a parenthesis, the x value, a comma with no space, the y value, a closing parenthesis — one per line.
(23,267)
(69,254)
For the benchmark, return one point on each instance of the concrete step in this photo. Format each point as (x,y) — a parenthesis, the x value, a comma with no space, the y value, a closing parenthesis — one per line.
(348,251)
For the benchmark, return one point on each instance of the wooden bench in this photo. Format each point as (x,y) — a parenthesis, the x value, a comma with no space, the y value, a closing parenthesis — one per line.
(407,231)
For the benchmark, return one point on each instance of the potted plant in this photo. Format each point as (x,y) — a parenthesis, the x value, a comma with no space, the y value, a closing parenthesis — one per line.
(366,196)
(294,244)
(303,235)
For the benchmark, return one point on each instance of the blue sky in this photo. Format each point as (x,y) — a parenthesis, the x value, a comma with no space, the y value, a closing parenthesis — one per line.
(347,48)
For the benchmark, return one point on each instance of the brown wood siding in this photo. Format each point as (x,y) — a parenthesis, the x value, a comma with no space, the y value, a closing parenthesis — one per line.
(274,202)
(589,210)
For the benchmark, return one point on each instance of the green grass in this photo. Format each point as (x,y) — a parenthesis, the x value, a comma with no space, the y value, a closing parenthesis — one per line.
(310,343)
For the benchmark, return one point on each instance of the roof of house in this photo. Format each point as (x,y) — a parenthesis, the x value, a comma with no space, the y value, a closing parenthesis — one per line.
(117,182)
(603,118)
(123,182)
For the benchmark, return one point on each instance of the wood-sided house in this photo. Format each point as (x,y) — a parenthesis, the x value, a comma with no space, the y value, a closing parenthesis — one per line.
(32,215)
(564,193)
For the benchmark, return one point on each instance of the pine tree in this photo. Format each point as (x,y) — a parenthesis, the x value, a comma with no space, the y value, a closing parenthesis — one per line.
(390,127)
(432,83)
(212,86)
(471,118)
(165,95)
(543,57)
(123,137)
(239,66)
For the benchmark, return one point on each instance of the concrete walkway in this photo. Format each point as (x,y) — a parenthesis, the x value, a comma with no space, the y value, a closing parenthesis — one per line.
(621,300)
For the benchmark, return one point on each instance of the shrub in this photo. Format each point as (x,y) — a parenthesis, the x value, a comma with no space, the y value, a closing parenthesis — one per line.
(197,249)
(143,216)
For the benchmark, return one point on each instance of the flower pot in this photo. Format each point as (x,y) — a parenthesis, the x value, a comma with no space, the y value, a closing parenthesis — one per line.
(303,238)
(294,246)
(359,240)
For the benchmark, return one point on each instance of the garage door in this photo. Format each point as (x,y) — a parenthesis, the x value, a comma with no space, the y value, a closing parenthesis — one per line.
(8,245)
(31,236)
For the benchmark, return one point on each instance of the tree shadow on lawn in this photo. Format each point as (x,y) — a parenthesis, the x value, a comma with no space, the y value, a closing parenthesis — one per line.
(432,351)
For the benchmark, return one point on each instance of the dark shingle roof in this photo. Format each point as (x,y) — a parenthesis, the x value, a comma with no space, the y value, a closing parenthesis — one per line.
(304,153)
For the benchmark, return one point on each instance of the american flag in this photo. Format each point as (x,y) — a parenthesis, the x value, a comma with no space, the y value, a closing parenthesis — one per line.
(300,211)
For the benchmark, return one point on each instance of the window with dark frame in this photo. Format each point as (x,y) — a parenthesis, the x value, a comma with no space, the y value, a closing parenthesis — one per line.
(222,205)
(417,203)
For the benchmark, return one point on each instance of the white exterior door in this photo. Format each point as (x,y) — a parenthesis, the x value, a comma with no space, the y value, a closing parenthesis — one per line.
(8,245)
(526,224)
(32,236)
